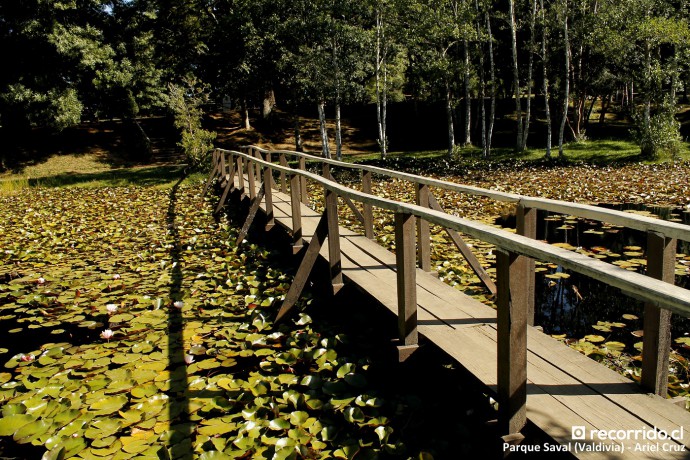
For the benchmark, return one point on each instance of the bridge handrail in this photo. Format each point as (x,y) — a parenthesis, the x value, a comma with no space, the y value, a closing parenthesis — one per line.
(636,285)
(611,216)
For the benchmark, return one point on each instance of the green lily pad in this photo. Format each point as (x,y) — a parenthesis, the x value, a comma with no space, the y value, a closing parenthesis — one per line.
(10,424)
(109,405)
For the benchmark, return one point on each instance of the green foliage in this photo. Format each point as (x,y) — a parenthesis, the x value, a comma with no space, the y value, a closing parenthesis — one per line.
(661,135)
(185,102)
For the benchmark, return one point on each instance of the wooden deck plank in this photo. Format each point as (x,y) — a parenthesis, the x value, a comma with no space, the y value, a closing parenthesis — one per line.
(565,388)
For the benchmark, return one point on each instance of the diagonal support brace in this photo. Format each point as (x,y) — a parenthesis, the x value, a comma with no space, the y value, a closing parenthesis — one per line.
(305,267)
(253,209)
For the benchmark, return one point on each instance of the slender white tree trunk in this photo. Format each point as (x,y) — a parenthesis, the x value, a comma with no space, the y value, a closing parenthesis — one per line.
(338,134)
(492,78)
(449,114)
(530,66)
(566,88)
(325,150)
(381,84)
(298,133)
(482,81)
(544,61)
(245,115)
(468,99)
(516,75)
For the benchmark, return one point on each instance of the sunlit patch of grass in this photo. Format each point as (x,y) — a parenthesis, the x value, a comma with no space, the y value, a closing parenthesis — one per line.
(600,151)
(60,164)
(11,186)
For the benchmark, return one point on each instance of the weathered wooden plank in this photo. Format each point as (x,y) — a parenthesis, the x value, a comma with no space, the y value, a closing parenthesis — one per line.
(229,186)
(368,212)
(253,208)
(634,284)
(511,303)
(526,225)
(268,196)
(304,268)
(214,171)
(661,265)
(406,278)
(423,233)
(297,240)
(643,223)
(303,182)
(283,181)
(466,252)
(251,178)
(333,240)
(473,346)
(348,202)
(240,174)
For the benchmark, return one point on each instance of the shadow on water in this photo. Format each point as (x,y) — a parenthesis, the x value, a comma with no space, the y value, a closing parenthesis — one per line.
(178,404)
(571,304)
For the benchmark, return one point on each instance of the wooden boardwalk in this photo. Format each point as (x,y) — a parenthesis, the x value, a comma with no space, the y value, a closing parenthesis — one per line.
(565,389)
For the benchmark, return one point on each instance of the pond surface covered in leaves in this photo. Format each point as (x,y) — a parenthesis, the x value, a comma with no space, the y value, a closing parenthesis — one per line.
(133,327)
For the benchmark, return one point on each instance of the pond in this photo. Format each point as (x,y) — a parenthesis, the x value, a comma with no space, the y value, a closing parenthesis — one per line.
(575,305)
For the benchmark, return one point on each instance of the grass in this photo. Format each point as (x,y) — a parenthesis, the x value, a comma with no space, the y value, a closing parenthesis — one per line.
(155,176)
(601,151)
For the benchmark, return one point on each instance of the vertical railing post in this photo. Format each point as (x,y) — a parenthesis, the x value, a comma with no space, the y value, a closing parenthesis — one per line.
(368,211)
(333,240)
(240,174)
(297,241)
(257,154)
(511,315)
(661,262)
(283,182)
(303,181)
(526,225)
(268,194)
(326,168)
(222,174)
(250,175)
(406,271)
(423,233)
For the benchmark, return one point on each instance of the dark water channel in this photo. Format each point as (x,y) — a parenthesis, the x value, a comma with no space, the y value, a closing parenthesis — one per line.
(572,304)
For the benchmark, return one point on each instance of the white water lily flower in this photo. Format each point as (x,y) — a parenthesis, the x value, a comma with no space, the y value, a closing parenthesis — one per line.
(189,359)
(116,276)
(107,334)
(112,308)
(178,304)
(41,280)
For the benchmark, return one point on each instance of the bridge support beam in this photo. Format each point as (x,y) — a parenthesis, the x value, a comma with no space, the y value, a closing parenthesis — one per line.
(661,263)
(526,225)
(406,284)
(304,268)
(253,209)
(512,340)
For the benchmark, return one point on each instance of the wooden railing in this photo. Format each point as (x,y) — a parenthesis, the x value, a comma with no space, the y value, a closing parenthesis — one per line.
(514,262)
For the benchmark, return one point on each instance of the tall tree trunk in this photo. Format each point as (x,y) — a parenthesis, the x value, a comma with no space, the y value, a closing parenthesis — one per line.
(245,114)
(298,133)
(516,76)
(530,66)
(566,89)
(544,61)
(449,114)
(492,78)
(268,103)
(468,99)
(338,134)
(381,84)
(325,150)
(482,81)
(605,102)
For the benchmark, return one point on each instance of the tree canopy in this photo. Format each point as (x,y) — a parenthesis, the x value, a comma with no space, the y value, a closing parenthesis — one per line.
(71,60)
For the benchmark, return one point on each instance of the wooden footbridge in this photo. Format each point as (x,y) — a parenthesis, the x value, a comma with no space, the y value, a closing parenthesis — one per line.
(586,408)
